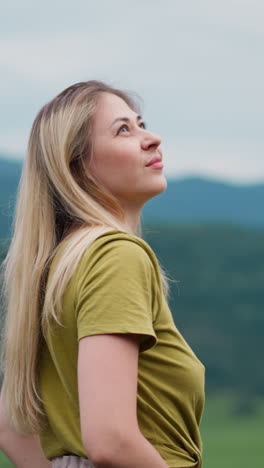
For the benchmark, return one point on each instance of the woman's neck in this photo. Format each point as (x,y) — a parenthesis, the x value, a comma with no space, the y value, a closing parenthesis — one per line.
(132,220)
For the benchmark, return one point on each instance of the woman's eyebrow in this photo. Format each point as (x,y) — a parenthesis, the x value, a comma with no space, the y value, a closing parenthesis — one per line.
(125,119)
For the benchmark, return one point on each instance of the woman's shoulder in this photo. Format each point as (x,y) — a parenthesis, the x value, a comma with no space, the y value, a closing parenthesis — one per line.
(123,243)
(113,249)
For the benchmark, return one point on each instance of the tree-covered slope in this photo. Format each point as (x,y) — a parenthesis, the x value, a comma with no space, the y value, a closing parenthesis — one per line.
(204,200)
(218,301)
(219,298)
(192,200)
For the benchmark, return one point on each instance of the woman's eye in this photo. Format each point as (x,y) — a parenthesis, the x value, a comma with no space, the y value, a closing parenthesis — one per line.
(122,128)
(126,128)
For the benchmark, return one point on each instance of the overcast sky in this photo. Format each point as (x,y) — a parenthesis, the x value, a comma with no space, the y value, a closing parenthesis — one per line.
(198,65)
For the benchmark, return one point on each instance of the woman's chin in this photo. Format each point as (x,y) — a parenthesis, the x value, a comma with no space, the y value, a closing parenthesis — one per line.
(157,189)
(160,186)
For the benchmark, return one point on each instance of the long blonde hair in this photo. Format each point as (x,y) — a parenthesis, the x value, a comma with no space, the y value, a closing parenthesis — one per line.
(56,193)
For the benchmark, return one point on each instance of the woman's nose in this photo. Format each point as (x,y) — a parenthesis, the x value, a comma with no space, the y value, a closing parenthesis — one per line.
(150,140)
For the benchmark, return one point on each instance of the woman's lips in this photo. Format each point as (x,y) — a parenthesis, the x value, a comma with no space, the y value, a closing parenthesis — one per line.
(156,165)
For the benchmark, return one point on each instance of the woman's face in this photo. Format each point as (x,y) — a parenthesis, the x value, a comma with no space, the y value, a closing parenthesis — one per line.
(122,151)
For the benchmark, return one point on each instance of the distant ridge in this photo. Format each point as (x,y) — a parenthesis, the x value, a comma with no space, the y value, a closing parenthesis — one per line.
(199,200)
(186,200)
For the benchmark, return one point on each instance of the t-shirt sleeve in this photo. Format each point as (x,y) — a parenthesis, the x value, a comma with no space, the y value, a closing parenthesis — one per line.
(115,293)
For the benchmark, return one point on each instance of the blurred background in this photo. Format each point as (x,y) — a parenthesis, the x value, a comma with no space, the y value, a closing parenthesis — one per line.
(199,68)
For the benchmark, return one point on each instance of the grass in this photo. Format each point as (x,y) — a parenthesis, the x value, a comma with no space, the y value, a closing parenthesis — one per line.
(232,442)
(4,462)
(229,442)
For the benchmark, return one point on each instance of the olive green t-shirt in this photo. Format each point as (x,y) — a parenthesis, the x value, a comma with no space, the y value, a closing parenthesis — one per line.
(116,288)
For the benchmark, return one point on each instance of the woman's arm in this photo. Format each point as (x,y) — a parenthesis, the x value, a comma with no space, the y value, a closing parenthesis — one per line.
(23,451)
(107,380)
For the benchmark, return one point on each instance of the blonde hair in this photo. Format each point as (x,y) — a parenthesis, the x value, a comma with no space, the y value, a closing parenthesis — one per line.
(56,193)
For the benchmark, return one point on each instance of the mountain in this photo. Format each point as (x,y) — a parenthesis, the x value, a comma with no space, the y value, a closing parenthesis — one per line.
(199,200)
(9,178)
(189,200)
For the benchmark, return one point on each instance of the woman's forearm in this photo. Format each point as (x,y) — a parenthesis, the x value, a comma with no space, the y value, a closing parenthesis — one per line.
(133,451)
(23,451)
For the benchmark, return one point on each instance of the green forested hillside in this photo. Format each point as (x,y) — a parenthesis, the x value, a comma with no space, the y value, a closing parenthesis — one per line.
(188,200)
(200,200)
(218,301)
(9,179)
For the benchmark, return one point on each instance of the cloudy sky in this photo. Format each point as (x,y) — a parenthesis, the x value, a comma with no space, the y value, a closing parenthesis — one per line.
(198,65)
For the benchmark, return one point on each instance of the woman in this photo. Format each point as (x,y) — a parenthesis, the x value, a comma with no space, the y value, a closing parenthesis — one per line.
(94,366)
